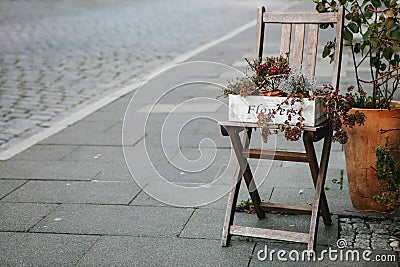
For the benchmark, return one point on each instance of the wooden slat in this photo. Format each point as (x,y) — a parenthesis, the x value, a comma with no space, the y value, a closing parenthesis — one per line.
(269,234)
(300,17)
(285,208)
(286,35)
(260,32)
(298,46)
(239,124)
(277,155)
(338,48)
(312,43)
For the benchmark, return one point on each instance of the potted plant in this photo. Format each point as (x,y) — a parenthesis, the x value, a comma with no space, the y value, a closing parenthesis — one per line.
(264,79)
(269,85)
(372,33)
(293,101)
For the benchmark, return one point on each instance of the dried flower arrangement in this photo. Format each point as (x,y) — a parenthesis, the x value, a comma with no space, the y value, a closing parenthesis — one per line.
(274,77)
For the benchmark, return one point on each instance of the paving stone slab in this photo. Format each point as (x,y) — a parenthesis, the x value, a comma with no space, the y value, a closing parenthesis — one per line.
(115,220)
(7,186)
(186,194)
(51,170)
(190,141)
(22,216)
(196,174)
(93,192)
(27,249)
(90,133)
(114,171)
(205,223)
(45,152)
(138,251)
(284,177)
(102,116)
(264,190)
(97,154)
(293,196)
(143,199)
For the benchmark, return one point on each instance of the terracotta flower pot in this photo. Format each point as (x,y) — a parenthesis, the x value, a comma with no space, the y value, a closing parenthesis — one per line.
(270,93)
(360,154)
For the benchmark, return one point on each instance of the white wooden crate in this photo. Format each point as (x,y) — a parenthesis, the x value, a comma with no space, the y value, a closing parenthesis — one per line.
(246,109)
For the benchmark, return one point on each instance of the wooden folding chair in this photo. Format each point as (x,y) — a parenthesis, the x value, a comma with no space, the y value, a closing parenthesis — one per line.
(298,23)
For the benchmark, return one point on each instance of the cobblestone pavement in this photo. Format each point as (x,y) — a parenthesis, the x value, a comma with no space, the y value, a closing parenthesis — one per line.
(58,56)
(370,233)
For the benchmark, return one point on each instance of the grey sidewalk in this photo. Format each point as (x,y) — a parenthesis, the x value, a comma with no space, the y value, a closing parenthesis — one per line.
(71,201)
(65,55)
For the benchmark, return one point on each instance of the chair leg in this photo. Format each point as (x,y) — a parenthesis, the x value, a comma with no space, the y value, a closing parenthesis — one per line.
(239,146)
(230,208)
(320,203)
(315,170)
(233,194)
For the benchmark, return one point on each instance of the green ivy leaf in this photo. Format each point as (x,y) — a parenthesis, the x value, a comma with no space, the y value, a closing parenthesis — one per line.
(367,34)
(389,22)
(356,18)
(349,16)
(347,35)
(363,45)
(321,7)
(394,27)
(395,35)
(375,62)
(387,53)
(396,60)
(376,3)
(353,27)
(357,48)
(327,51)
(365,2)
(390,13)
(374,42)
(324,26)
(368,14)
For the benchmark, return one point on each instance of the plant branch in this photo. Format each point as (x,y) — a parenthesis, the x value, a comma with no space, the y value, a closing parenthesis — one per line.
(378,11)
(362,60)
(355,66)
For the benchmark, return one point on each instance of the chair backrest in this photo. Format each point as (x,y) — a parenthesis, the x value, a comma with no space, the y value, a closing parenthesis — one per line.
(298,23)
